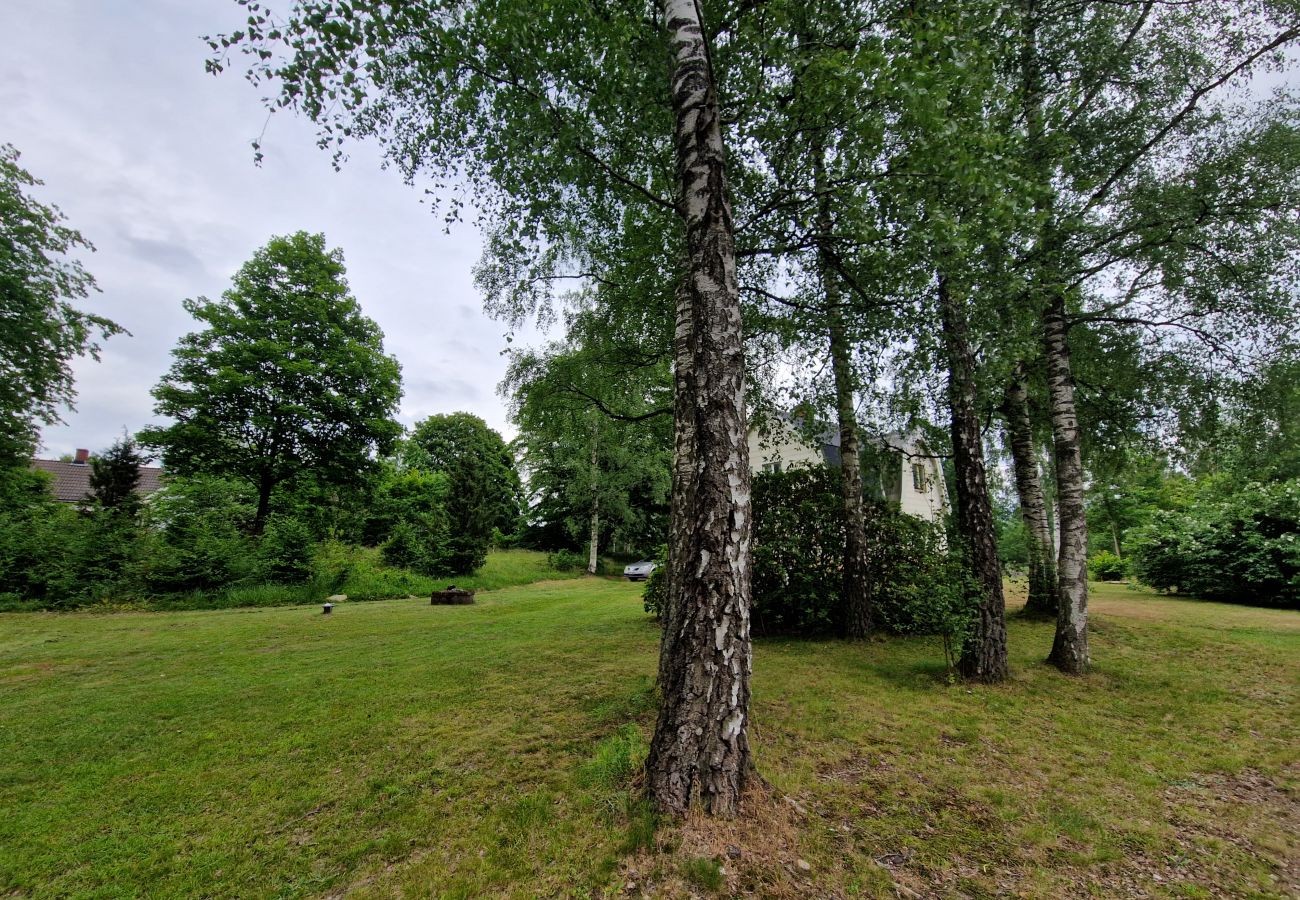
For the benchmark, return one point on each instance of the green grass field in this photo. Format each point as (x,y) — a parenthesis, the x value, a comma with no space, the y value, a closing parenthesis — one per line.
(395,748)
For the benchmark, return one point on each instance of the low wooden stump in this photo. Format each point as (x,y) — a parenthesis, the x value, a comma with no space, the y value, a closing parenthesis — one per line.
(452,596)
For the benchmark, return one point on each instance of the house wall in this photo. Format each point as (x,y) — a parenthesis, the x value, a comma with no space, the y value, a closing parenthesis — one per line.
(781,444)
(928,501)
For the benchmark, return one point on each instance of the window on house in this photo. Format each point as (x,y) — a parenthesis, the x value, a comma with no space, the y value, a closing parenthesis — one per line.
(772,468)
(918,477)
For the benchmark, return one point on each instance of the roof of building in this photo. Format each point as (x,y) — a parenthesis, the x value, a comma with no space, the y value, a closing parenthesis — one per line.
(71,481)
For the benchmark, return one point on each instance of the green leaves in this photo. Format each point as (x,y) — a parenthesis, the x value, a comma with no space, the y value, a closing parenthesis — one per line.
(287,375)
(41,328)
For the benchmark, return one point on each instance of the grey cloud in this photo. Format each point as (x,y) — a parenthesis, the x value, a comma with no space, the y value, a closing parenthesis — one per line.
(149,157)
(165,255)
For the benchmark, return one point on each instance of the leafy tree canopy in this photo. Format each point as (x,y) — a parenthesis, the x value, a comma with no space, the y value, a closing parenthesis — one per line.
(41,330)
(461,440)
(287,376)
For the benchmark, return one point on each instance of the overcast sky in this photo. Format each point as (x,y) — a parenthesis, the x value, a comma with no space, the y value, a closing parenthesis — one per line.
(149,158)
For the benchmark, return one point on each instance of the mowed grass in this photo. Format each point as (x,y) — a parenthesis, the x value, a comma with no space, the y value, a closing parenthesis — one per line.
(395,748)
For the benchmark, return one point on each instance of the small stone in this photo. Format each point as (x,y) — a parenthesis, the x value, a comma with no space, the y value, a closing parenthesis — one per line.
(802,865)
(733,851)
(630,887)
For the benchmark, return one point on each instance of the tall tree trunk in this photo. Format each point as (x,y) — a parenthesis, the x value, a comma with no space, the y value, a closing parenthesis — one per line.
(683,475)
(593,554)
(984,654)
(265,485)
(700,749)
(1070,647)
(1044,592)
(856,589)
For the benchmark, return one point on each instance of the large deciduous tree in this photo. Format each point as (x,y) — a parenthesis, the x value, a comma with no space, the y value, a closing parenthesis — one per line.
(41,328)
(286,376)
(1138,155)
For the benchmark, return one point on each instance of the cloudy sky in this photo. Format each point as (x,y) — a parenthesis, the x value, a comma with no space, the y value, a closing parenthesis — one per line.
(149,157)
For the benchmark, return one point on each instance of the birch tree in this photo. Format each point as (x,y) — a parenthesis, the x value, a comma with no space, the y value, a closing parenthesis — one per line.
(559,119)
(1118,103)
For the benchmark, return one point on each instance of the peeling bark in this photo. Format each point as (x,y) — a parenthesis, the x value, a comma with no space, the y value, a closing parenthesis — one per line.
(984,654)
(700,749)
(1044,591)
(1070,647)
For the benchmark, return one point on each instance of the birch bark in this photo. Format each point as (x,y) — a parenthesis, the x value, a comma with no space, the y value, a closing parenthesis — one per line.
(593,552)
(1044,591)
(700,749)
(984,654)
(1070,647)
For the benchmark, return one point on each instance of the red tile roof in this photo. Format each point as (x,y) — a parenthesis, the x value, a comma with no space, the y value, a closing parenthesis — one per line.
(71,482)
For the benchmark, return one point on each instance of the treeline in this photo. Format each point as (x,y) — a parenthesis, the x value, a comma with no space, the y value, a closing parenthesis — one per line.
(282,440)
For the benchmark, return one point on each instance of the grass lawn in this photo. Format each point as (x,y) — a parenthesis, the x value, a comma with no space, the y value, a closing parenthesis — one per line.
(359,573)
(491,750)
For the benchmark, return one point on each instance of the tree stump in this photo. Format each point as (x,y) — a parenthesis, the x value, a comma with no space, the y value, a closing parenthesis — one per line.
(452,596)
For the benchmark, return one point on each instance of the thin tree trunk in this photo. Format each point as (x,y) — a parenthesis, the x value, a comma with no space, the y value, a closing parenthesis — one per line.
(700,749)
(1070,647)
(856,589)
(1044,592)
(593,554)
(984,654)
(265,485)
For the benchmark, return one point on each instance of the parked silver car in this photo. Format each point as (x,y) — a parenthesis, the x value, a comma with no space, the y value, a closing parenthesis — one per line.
(640,571)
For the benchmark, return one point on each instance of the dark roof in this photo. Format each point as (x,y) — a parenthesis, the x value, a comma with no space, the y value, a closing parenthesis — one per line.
(71,482)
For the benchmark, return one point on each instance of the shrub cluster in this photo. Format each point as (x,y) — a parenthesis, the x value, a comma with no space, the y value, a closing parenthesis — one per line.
(1106,566)
(1242,547)
(566,560)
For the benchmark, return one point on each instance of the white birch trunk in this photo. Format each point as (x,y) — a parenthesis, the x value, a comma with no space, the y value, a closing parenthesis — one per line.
(700,749)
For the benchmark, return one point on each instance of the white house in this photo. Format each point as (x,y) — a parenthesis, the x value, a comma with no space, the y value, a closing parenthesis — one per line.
(897,467)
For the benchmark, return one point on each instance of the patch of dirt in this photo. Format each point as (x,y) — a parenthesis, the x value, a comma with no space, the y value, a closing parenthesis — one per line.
(1247,816)
(757,850)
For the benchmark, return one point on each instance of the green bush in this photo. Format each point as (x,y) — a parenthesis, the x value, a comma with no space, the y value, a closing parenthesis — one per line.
(798,557)
(1106,566)
(1239,546)
(197,536)
(655,595)
(420,546)
(56,556)
(285,552)
(566,560)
